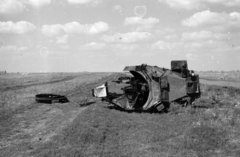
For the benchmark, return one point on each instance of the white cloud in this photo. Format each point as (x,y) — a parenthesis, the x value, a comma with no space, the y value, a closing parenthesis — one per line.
(192,46)
(225,2)
(192,57)
(12,49)
(65,46)
(171,37)
(117,8)
(180,45)
(84,1)
(203,35)
(125,47)
(130,37)
(144,24)
(8,48)
(97,27)
(50,30)
(219,21)
(141,21)
(205,18)
(62,39)
(11,6)
(198,4)
(18,6)
(186,4)
(38,3)
(162,45)
(93,46)
(75,28)
(20,27)
(22,48)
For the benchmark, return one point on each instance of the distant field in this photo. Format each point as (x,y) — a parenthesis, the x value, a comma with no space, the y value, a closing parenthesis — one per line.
(85,126)
(228,79)
(16,80)
(228,75)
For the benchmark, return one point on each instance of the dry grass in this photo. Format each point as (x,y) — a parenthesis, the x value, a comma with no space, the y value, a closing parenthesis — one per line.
(215,133)
(18,98)
(223,75)
(103,131)
(18,95)
(210,129)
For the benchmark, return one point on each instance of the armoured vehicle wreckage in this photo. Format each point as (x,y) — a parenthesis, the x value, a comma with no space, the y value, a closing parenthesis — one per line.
(153,88)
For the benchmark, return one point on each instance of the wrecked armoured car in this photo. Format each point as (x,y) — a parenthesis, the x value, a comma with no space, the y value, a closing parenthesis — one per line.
(152,87)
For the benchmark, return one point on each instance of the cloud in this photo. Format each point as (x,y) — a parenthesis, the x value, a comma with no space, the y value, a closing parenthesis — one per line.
(162,45)
(198,4)
(125,48)
(20,27)
(74,28)
(143,23)
(190,46)
(130,37)
(22,48)
(182,46)
(192,57)
(64,46)
(38,3)
(97,27)
(117,8)
(205,18)
(51,30)
(203,35)
(8,48)
(62,39)
(225,2)
(186,4)
(93,46)
(171,37)
(220,21)
(84,1)
(18,6)
(11,6)
(12,49)
(77,28)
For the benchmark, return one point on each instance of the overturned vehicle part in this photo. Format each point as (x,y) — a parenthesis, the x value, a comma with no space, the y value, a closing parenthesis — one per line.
(50,98)
(152,87)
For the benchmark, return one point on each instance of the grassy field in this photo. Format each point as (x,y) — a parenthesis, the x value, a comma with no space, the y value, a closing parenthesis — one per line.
(223,75)
(88,127)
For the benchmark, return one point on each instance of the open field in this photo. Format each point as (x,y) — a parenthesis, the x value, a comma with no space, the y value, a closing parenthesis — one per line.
(223,75)
(85,126)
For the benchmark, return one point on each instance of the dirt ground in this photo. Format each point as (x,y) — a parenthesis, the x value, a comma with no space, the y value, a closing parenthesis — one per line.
(85,126)
(29,127)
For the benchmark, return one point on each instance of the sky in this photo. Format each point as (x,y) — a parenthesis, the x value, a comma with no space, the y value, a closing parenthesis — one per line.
(107,35)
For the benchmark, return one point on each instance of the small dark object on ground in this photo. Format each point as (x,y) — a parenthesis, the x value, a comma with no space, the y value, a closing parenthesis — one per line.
(50,98)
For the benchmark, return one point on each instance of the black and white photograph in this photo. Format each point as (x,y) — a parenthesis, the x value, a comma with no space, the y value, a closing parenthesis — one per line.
(119,78)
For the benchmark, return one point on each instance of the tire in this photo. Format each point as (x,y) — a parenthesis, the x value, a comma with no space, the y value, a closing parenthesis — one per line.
(50,98)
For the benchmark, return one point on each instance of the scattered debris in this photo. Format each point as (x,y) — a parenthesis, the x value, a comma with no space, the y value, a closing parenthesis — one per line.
(50,98)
